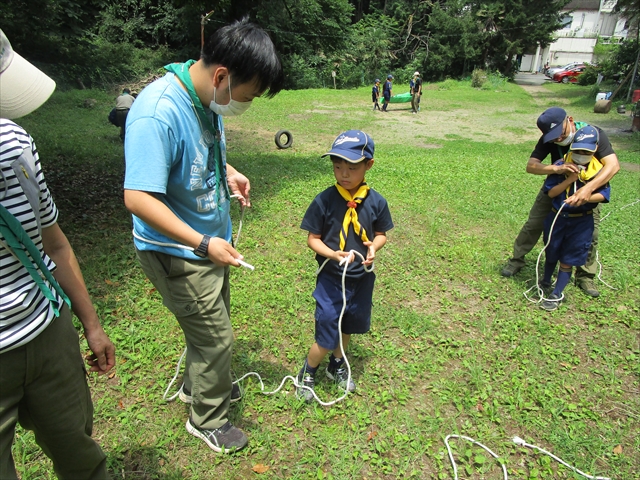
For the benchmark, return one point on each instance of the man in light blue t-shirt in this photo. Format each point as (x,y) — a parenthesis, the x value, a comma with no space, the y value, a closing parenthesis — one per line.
(178,187)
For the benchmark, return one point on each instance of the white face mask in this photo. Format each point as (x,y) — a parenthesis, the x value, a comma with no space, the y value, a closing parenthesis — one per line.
(567,140)
(231,109)
(581,159)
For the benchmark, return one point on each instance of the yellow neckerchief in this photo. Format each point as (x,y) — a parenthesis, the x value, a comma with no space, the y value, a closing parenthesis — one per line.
(586,174)
(351,217)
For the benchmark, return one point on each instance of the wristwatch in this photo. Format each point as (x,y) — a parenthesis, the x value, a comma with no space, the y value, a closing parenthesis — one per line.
(201,251)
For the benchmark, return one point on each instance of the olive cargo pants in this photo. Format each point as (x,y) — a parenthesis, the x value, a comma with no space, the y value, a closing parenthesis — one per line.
(43,386)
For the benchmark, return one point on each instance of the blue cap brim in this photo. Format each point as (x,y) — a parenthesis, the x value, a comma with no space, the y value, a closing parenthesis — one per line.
(345,155)
(555,132)
(586,146)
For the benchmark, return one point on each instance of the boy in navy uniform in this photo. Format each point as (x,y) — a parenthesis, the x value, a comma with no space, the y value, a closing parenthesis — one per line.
(375,94)
(387,89)
(347,216)
(573,229)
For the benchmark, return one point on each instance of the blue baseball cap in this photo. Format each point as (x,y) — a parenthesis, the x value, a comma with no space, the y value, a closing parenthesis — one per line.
(377,80)
(352,146)
(551,123)
(586,139)
(389,77)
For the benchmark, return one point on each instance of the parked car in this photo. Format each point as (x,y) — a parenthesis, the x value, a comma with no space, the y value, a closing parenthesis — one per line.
(552,71)
(569,76)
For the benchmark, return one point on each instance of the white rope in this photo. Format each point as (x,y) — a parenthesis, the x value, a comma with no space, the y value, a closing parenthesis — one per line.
(344,262)
(346,360)
(453,462)
(540,292)
(185,247)
(518,441)
(521,442)
(173,397)
(597,254)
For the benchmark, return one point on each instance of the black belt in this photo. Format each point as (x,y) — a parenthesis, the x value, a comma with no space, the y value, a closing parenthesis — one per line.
(562,214)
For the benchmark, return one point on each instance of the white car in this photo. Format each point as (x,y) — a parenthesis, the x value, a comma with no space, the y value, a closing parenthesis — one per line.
(552,71)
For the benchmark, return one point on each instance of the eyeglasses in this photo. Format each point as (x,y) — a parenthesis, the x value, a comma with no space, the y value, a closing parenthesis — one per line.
(565,131)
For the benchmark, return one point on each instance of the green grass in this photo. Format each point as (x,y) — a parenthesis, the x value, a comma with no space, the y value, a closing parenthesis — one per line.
(454,347)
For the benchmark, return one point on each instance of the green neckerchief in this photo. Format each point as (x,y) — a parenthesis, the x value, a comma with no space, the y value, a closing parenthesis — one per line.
(181,70)
(22,247)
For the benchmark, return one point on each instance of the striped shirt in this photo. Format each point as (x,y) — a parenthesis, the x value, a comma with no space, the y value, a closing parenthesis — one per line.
(24,310)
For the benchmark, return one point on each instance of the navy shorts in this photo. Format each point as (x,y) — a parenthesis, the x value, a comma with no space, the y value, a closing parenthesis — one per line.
(570,239)
(357,315)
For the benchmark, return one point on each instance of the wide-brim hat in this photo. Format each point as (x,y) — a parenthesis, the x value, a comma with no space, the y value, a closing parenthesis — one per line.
(352,146)
(23,87)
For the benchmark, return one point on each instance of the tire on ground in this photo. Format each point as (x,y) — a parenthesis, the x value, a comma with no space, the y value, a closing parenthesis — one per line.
(289,139)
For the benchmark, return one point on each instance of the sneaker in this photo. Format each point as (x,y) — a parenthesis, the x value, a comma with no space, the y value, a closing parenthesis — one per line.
(307,380)
(225,439)
(587,286)
(510,269)
(340,377)
(185,395)
(551,303)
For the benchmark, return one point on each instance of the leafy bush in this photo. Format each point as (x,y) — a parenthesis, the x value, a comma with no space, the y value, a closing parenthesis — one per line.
(494,81)
(589,76)
(478,78)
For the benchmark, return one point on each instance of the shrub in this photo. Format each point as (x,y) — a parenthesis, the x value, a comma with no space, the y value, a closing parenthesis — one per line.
(478,78)
(589,76)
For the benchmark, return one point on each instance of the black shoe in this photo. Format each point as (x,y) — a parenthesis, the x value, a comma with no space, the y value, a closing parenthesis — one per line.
(510,269)
(225,439)
(185,395)
(340,376)
(551,303)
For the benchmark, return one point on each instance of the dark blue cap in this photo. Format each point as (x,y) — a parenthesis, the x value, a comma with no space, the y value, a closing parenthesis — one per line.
(352,146)
(551,123)
(586,139)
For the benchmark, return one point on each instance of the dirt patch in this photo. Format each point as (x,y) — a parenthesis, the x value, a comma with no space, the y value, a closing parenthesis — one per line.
(630,167)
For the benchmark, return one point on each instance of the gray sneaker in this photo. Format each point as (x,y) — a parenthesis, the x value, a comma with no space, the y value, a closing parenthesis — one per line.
(225,439)
(510,269)
(588,286)
(186,397)
(340,376)
(551,303)
(307,380)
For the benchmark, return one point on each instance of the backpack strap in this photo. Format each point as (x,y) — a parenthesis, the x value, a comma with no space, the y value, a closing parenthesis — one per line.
(24,168)
(20,245)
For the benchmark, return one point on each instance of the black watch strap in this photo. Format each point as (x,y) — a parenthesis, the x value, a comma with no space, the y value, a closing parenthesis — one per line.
(201,251)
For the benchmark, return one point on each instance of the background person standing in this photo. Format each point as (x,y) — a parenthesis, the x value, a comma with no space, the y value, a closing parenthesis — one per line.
(416,92)
(387,92)
(123,104)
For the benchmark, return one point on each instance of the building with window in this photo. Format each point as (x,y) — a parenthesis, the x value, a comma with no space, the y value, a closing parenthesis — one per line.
(584,21)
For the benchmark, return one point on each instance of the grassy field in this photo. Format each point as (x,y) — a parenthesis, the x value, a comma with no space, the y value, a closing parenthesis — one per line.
(454,347)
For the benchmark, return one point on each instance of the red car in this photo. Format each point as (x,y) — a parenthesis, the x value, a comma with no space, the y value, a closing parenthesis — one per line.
(570,75)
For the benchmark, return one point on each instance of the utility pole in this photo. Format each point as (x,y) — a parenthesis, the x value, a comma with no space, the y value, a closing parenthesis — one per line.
(633,77)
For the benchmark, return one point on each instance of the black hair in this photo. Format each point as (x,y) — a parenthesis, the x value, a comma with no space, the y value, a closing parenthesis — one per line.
(248,53)
(126,90)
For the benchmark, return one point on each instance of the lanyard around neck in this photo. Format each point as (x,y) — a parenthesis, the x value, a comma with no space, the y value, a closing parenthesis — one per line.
(181,70)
